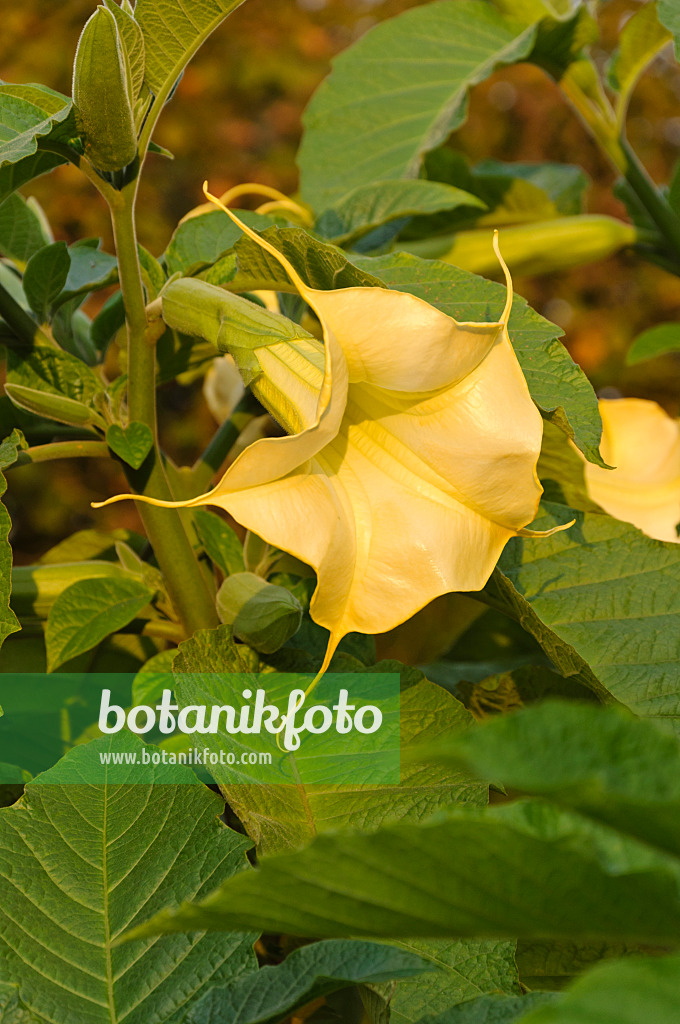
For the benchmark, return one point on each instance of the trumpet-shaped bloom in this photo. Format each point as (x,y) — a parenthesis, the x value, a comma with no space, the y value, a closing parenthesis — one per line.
(642,442)
(411,455)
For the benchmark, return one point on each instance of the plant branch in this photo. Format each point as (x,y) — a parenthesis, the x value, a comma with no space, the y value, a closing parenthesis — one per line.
(665,218)
(222,442)
(176,558)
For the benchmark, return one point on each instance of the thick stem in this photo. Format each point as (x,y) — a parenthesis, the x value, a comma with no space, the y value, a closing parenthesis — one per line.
(178,563)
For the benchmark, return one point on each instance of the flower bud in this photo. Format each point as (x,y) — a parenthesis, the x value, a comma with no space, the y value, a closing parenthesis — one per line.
(262,615)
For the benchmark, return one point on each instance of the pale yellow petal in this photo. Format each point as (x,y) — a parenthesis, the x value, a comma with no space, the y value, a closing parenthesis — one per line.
(223,388)
(389,338)
(643,443)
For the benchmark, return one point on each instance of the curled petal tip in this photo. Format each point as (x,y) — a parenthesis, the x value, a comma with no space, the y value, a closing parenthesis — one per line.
(545,533)
(508,279)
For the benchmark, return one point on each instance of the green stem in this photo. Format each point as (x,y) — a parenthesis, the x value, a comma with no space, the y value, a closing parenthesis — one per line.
(224,439)
(665,218)
(178,563)
(62,450)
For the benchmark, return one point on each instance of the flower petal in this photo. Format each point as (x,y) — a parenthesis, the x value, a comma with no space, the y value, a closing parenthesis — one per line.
(643,443)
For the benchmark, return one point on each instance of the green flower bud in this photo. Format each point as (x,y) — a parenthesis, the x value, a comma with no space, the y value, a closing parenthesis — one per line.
(102,86)
(261,615)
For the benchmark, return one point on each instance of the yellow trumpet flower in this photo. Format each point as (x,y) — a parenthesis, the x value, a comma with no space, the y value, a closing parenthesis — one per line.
(642,442)
(410,459)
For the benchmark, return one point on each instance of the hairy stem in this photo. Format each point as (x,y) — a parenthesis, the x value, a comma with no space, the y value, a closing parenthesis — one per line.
(178,563)
(62,450)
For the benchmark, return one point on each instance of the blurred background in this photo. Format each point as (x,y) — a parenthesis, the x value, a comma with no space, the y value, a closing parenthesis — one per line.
(236,117)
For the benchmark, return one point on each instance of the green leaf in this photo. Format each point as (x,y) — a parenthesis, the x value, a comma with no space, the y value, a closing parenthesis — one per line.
(45,278)
(173,31)
(28,113)
(369,206)
(80,861)
(102,87)
(220,541)
(12,1010)
(84,545)
(132,41)
(49,369)
(9,450)
(153,274)
(521,870)
(260,614)
(493,1009)
(278,816)
(630,991)
(669,15)
(13,176)
(584,595)
(399,92)
(132,443)
(309,973)
(22,229)
(562,471)
(201,240)
(512,188)
(88,611)
(90,270)
(465,969)
(641,40)
(657,341)
(558,386)
(618,770)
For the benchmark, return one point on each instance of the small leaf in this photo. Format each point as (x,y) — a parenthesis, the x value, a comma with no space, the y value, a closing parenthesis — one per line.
(132,443)
(22,229)
(9,623)
(90,270)
(307,974)
(657,341)
(153,274)
(220,541)
(260,614)
(28,113)
(45,278)
(88,611)
(368,206)
(641,40)
(199,241)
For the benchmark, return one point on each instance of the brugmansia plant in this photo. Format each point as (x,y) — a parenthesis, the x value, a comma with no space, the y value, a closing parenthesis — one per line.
(395,429)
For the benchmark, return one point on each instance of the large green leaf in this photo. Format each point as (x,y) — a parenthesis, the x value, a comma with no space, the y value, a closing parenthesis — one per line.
(280,816)
(28,113)
(45,278)
(559,388)
(520,870)
(173,31)
(12,1010)
(88,611)
(79,862)
(398,92)
(9,450)
(307,974)
(632,991)
(585,595)
(465,969)
(492,1009)
(601,762)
